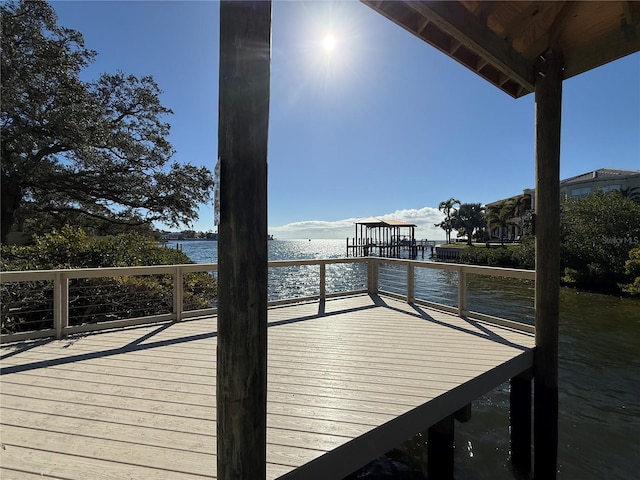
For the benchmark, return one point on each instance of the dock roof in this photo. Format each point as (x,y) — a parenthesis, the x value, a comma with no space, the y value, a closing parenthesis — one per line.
(374,222)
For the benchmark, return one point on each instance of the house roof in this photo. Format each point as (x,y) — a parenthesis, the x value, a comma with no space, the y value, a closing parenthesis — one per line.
(512,198)
(502,41)
(602,173)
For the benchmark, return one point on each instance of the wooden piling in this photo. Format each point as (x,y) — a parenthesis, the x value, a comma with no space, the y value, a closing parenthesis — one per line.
(520,424)
(548,98)
(245,56)
(440,449)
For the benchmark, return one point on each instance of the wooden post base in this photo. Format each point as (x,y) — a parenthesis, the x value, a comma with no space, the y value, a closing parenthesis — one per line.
(440,450)
(520,422)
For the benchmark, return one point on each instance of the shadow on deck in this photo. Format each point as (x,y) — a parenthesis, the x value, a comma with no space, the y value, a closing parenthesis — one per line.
(348,379)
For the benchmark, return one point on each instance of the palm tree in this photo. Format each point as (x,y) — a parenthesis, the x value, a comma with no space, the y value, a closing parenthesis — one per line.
(522,205)
(448,208)
(467,218)
(500,215)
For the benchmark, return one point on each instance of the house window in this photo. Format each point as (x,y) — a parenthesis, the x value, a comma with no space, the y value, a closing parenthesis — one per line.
(581,192)
(611,188)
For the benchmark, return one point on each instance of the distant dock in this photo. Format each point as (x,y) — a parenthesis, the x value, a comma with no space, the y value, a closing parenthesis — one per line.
(389,239)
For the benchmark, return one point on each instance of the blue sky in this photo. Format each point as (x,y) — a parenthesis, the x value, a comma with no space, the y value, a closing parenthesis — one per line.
(381,126)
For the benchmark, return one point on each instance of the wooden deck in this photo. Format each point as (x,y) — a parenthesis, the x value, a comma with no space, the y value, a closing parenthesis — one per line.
(348,380)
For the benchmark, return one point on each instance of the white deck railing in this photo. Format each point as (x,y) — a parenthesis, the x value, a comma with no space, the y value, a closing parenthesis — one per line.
(295,281)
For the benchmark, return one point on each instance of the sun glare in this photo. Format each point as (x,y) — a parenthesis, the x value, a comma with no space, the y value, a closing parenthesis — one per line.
(329,42)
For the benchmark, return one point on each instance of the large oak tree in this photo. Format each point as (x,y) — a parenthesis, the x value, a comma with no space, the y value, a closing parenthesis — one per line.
(77,150)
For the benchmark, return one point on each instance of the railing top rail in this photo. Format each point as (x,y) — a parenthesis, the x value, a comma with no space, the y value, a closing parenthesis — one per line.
(457,267)
(318,261)
(30,275)
(33,275)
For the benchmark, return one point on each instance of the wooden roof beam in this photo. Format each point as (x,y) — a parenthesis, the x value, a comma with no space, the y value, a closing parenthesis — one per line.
(455,45)
(550,37)
(455,20)
(630,21)
(484,10)
(422,24)
(556,27)
(604,50)
(503,79)
(525,17)
(628,12)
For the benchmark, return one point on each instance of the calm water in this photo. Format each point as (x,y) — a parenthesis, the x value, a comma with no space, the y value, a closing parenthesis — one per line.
(599,367)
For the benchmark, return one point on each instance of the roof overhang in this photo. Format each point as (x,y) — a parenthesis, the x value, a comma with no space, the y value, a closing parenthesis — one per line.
(502,41)
(375,223)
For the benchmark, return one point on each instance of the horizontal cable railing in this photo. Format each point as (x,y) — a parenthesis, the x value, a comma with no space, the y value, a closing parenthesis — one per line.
(46,303)
(89,299)
(461,286)
(305,280)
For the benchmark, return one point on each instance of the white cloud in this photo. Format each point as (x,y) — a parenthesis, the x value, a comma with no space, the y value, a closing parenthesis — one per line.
(424,218)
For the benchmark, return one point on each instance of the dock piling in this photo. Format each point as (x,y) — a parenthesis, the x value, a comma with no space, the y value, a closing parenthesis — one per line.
(440,448)
(520,423)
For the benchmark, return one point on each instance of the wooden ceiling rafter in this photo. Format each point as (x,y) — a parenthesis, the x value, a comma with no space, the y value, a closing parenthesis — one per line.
(628,13)
(422,24)
(525,18)
(556,26)
(456,21)
(502,40)
(601,51)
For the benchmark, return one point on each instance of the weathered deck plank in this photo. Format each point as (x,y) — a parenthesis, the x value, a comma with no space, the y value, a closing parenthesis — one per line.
(140,402)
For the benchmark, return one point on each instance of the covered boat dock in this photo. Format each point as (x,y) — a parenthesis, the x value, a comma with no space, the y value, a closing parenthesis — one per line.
(386,238)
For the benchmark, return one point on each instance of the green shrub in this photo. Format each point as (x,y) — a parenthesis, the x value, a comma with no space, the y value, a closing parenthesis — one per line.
(632,268)
(474,256)
(499,257)
(524,254)
(28,305)
(513,256)
(597,233)
(72,248)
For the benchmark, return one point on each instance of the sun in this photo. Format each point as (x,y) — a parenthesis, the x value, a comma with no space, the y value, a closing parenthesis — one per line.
(329,42)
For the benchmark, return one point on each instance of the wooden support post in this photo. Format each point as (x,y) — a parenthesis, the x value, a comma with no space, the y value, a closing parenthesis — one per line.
(440,447)
(64,303)
(178,293)
(57,305)
(548,97)
(411,288)
(464,414)
(245,58)
(463,309)
(372,276)
(520,423)
(323,281)
(61,304)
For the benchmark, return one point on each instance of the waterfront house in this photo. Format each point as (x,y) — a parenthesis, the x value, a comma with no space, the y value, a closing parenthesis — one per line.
(603,179)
